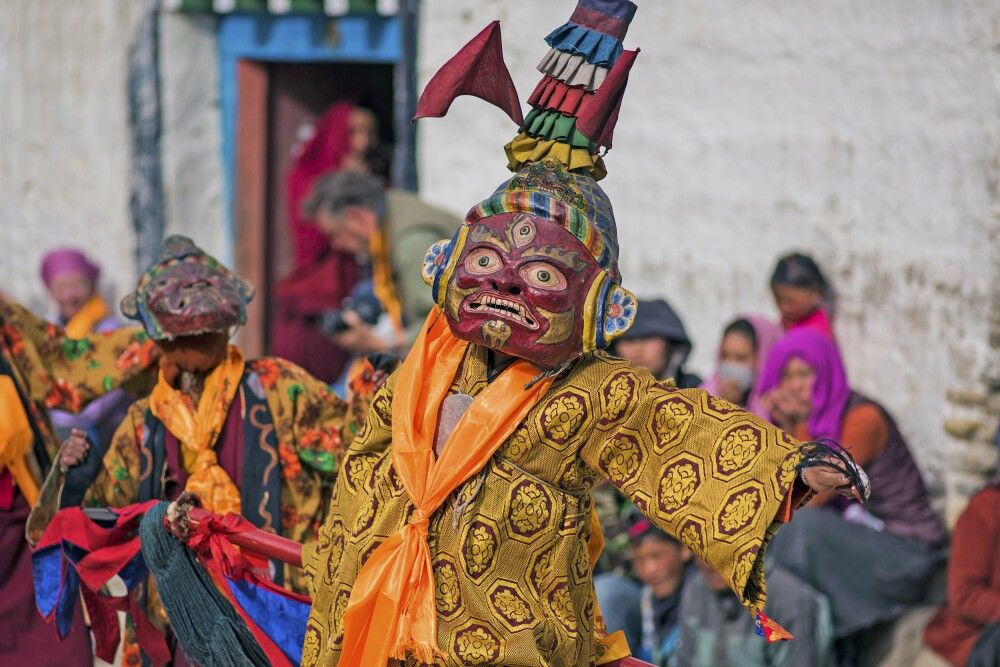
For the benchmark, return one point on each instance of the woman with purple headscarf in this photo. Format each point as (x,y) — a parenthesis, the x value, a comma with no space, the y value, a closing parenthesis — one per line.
(72,280)
(872,562)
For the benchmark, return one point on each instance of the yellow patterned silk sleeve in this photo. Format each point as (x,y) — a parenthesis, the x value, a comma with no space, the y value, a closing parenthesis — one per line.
(700,468)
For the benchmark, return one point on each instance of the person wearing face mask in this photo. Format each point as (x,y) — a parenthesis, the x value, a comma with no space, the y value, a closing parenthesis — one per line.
(72,281)
(260,438)
(743,351)
(872,561)
(658,342)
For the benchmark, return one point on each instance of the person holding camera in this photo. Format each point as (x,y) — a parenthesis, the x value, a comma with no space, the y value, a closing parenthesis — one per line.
(386,231)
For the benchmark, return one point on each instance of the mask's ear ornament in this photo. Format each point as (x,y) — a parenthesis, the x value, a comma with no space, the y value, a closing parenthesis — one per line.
(620,308)
(609,313)
(434,260)
(439,263)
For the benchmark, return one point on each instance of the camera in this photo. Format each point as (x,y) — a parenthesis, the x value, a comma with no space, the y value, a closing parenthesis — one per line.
(331,322)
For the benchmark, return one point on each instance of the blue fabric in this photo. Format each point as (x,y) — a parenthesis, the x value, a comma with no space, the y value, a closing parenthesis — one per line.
(282,619)
(67,602)
(46,570)
(598,48)
(135,572)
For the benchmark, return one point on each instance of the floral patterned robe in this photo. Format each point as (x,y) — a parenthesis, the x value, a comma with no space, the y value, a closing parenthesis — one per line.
(291,422)
(51,370)
(509,548)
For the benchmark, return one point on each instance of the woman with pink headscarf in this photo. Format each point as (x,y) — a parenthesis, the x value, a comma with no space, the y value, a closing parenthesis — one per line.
(874,561)
(741,359)
(72,279)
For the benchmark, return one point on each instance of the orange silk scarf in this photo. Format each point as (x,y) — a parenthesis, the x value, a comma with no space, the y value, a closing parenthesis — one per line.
(391,609)
(197,430)
(88,317)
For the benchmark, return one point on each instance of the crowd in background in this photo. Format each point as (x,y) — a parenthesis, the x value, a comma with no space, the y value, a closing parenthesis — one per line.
(838,573)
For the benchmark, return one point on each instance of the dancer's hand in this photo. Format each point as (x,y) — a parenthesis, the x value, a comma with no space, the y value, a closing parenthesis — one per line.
(822,479)
(74,450)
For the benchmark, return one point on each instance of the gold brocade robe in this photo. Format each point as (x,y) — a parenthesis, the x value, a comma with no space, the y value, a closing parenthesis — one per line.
(512,577)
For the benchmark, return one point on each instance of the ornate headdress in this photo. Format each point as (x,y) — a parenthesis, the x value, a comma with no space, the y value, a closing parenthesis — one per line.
(187,292)
(557,153)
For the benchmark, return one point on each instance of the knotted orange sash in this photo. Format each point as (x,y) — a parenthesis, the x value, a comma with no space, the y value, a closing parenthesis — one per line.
(15,439)
(88,317)
(391,609)
(197,430)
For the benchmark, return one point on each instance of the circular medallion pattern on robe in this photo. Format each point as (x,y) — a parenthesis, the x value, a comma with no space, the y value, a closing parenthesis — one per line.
(476,644)
(621,458)
(311,644)
(681,478)
(447,591)
(560,420)
(616,396)
(339,609)
(672,416)
(480,548)
(739,511)
(530,509)
(562,607)
(737,448)
(510,606)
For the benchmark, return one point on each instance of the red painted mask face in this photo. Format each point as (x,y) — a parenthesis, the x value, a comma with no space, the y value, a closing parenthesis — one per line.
(519,287)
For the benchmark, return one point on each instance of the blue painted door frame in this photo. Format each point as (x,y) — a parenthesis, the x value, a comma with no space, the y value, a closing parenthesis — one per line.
(303,38)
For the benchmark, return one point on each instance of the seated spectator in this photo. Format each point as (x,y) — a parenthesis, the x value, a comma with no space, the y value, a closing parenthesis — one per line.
(966,632)
(874,561)
(741,359)
(72,281)
(663,565)
(657,341)
(646,611)
(802,294)
(716,630)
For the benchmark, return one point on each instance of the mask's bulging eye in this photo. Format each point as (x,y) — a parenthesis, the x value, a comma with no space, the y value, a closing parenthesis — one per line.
(523,232)
(483,261)
(543,276)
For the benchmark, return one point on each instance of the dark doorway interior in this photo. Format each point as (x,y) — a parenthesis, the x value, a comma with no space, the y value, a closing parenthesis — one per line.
(277,103)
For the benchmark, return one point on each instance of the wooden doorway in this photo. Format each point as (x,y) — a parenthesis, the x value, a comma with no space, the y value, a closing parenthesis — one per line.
(276,100)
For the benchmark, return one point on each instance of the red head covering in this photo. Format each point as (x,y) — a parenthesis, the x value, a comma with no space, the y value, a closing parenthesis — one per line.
(326,151)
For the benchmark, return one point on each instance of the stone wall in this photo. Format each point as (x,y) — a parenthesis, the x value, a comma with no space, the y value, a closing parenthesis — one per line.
(64,144)
(864,133)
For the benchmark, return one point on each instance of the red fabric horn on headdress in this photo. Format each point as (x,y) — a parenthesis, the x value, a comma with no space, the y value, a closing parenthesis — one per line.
(598,118)
(477,69)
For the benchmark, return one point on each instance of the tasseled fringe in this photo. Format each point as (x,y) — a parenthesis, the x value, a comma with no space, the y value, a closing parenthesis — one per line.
(205,623)
(819,453)
(419,651)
